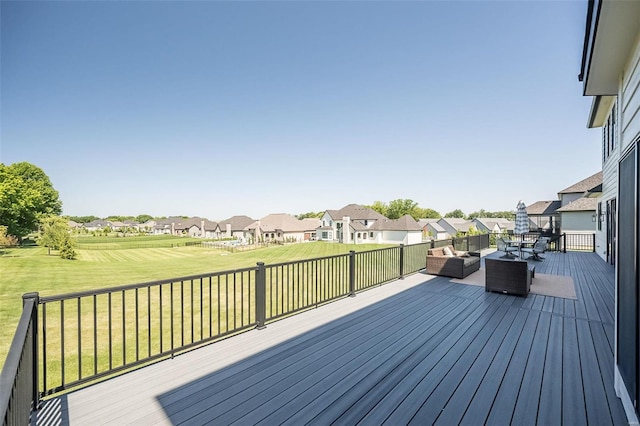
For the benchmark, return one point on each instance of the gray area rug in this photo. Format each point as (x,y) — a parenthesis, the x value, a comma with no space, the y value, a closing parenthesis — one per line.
(543,284)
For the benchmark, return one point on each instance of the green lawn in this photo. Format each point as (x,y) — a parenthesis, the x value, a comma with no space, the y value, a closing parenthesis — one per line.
(31,269)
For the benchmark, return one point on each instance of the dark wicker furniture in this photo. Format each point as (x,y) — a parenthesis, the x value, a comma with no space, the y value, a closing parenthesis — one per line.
(508,276)
(451,266)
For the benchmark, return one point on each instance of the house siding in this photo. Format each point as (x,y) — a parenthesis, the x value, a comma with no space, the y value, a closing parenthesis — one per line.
(578,222)
(628,132)
(609,189)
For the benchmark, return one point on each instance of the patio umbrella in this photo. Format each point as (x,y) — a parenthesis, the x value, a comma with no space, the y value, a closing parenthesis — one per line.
(522,219)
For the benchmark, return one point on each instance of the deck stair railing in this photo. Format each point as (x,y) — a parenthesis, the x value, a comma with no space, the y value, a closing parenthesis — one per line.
(69,340)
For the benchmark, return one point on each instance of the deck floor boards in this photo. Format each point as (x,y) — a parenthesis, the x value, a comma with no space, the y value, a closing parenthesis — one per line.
(421,350)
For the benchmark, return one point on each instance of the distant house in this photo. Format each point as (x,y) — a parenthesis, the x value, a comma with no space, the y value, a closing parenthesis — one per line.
(454,226)
(432,229)
(405,230)
(131,224)
(209,229)
(346,224)
(544,215)
(493,225)
(233,227)
(74,225)
(166,226)
(97,225)
(575,211)
(579,216)
(282,227)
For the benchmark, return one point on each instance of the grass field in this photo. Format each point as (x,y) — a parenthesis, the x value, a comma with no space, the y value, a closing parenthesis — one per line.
(31,269)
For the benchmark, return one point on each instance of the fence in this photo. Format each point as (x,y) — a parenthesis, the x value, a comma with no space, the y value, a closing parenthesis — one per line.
(69,340)
(19,377)
(560,242)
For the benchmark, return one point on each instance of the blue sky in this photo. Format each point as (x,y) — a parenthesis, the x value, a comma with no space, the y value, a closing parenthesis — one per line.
(222,108)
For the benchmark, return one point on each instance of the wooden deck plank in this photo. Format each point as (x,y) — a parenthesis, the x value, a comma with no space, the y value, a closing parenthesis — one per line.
(485,394)
(526,409)
(434,405)
(597,414)
(277,387)
(573,408)
(422,349)
(550,406)
(505,400)
(466,387)
(423,361)
(341,335)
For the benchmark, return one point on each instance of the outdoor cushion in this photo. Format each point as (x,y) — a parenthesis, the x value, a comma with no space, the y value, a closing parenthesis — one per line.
(435,252)
(447,251)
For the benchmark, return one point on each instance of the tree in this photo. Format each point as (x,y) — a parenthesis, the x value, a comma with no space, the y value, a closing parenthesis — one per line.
(310,215)
(26,195)
(380,207)
(457,213)
(83,219)
(7,240)
(426,214)
(400,207)
(142,218)
(54,234)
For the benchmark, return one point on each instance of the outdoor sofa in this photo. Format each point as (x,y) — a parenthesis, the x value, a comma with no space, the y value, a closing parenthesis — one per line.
(508,276)
(458,264)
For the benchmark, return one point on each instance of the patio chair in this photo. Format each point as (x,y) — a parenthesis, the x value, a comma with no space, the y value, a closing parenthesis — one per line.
(538,247)
(506,248)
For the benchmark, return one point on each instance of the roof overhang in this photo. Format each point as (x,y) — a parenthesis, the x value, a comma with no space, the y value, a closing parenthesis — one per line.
(611,30)
(600,107)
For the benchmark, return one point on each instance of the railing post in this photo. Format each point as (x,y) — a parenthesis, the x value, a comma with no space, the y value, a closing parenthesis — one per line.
(261,296)
(35,397)
(593,239)
(401,261)
(564,243)
(352,273)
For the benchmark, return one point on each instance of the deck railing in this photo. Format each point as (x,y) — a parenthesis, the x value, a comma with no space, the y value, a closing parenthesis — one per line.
(19,377)
(68,340)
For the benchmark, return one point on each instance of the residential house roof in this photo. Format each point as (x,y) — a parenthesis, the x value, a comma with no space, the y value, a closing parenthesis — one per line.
(491,222)
(581,204)
(238,223)
(425,222)
(457,223)
(436,227)
(97,224)
(284,222)
(544,208)
(405,223)
(584,185)
(356,212)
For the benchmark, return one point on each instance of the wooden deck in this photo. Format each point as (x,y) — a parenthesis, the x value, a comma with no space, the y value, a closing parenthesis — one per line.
(421,350)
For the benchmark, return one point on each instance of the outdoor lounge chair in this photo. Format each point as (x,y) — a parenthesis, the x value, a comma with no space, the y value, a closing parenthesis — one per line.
(506,248)
(538,247)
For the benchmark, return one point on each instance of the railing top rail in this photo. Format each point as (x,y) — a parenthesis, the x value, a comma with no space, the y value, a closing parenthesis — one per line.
(380,249)
(334,256)
(106,290)
(12,363)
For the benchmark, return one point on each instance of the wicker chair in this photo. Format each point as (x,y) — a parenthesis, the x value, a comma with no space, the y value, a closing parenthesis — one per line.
(508,276)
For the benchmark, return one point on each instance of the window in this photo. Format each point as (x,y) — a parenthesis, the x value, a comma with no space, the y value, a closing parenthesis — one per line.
(609,135)
(366,222)
(364,235)
(359,235)
(370,234)
(324,235)
(599,218)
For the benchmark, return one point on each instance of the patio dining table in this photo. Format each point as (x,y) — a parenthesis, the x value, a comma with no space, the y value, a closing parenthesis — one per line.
(520,244)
